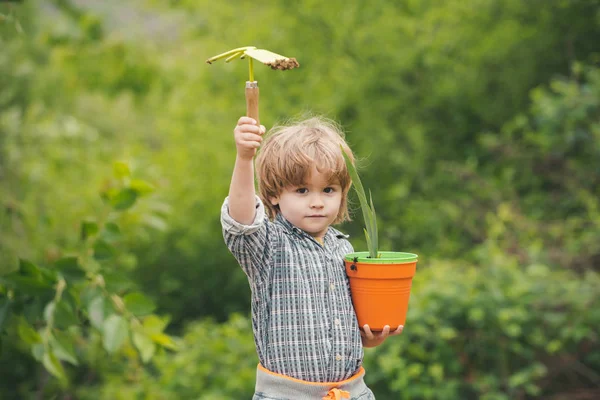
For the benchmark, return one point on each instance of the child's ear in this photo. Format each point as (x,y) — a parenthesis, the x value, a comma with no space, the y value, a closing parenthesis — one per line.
(274,200)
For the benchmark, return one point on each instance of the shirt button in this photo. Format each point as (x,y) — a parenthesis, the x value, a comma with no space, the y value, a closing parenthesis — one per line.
(332,286)
(338,357)
(337,321)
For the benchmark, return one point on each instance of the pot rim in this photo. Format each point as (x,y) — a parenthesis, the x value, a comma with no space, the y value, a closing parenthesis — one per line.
(385,257)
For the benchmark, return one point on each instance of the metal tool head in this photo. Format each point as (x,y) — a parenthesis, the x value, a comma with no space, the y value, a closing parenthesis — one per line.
(273,60)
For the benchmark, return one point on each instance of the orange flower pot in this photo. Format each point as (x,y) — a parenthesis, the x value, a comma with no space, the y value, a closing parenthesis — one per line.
(380,287)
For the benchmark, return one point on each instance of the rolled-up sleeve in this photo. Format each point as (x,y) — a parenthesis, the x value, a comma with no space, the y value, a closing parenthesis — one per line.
(252,244)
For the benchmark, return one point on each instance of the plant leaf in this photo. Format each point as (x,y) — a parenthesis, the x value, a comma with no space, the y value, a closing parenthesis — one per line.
(111,232)
(141,187)
(70,269)
(124,199)
(30,279)
(64,349)
(164,340)
(368,214)
(117,281)
(368,237)
(138,304)
(27,333)
(88,228)
(96,312)
(37,350)
(64,315)
(121,170)
(156,222)
(115,333)
(145,346)
(153,324)
(4,311)
(54,366)
(374,232)
(102,250)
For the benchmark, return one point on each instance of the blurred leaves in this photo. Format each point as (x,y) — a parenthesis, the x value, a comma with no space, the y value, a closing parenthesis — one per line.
(202,369)
(523,309)
(96,312)
(103,250)
(63,346)
(4,311)
(475,125)
(138,304)
(145,346)
(115,332)
(442,353)
(30,278)
(88,228)
(71,304)
(123,199)
(27,333)
(70,269)
(54,366)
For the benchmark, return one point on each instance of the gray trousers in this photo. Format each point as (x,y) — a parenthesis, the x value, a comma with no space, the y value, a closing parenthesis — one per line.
(272,386)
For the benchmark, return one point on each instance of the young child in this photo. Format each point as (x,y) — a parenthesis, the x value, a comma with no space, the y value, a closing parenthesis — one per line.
(307,337)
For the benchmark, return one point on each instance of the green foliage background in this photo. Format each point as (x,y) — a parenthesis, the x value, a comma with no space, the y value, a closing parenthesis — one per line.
(478,125)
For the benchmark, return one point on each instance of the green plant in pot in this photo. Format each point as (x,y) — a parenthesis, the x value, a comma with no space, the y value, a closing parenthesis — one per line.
(380,281)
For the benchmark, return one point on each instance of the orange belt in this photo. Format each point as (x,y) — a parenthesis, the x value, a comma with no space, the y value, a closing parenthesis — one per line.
(336,394)
(270,383)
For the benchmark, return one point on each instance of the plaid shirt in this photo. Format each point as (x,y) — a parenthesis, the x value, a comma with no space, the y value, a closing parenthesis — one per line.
(302,315)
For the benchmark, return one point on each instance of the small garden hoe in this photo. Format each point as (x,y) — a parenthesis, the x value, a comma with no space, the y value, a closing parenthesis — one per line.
(274,60)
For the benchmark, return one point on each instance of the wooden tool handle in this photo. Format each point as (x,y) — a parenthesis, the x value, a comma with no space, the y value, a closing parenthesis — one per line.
(252,100)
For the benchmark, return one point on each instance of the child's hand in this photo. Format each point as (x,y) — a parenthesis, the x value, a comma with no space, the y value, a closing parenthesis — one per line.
(248,137)
(371,340)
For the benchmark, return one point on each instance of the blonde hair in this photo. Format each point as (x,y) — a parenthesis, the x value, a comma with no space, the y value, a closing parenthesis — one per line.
(290,151)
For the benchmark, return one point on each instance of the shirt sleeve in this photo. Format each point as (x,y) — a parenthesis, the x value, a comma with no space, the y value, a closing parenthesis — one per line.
(251,245)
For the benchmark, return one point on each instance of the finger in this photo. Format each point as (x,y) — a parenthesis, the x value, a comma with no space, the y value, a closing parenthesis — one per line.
(248,128)
(246,120)
(250,144)
(385,332)
(368,332)
(250,137)
(398,331)
(263,130)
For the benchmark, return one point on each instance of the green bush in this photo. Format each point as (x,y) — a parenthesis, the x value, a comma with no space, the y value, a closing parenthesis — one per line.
(215,361)
(78,307)
(478,121)
(441,111)
(497,331)
(501,331)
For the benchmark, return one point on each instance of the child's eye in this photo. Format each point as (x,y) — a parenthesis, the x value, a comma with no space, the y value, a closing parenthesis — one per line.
(329,190)
(302,190)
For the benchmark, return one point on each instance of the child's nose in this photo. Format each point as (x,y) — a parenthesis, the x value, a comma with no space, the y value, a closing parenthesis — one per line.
(317,202)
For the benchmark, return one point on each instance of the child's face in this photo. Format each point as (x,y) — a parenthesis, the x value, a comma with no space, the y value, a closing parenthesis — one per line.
(312,206)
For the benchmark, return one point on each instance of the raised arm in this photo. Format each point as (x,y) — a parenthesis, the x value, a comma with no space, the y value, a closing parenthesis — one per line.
(248,136)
